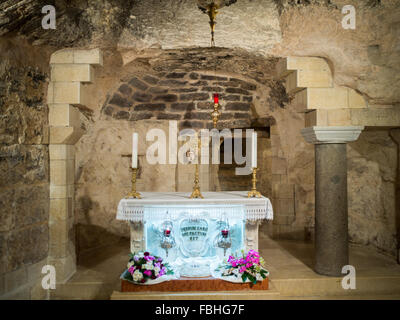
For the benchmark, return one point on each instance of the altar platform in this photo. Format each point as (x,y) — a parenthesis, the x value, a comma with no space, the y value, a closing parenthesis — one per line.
(289,263)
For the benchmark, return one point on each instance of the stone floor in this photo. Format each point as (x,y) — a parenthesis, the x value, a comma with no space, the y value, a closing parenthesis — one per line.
(289,263)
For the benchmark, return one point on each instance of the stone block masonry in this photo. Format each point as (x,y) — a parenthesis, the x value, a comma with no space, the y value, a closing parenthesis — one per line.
(70,69)
(182,96)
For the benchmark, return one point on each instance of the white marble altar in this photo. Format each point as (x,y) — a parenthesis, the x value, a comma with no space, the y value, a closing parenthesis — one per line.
(195,224)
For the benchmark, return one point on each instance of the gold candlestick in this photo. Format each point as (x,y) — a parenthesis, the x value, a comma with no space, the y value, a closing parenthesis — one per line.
(196,188)
(133,193)
(215,114)
(254,193)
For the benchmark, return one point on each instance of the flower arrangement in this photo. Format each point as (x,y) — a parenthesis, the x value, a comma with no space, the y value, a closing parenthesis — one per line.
(248,267)
(143,267)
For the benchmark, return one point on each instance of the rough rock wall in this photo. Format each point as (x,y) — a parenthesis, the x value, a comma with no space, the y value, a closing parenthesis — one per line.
(272,27)
(372,179)
(267,27)
(24,170)
(365,59)
(78,23)
(291,176)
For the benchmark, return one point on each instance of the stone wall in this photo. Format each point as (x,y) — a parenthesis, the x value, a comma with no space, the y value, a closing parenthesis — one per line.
(185,97)
(289,177)
(372,183)
(24,171)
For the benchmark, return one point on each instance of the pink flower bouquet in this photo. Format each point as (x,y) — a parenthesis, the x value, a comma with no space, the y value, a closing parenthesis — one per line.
(248,267)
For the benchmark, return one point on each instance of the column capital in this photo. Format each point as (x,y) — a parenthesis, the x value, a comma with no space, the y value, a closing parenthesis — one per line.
(322,135)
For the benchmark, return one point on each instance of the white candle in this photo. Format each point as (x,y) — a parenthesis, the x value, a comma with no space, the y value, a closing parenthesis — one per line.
(134,149)
(254,150)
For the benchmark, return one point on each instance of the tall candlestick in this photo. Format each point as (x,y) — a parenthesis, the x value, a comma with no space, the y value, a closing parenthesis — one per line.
(254,193)
(254,150)
(134,149)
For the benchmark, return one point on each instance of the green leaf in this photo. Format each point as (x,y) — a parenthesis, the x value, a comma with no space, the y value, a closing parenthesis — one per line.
(128,276)
(252,278)
(244,276)
(263,273)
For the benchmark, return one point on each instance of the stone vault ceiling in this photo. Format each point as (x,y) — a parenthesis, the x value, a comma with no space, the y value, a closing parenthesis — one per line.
(152,23)
(366,59)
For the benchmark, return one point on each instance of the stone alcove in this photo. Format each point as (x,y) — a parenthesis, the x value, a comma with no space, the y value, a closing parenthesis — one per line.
(177,85)
(141,98)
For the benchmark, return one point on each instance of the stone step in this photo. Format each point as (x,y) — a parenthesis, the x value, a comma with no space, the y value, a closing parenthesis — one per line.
(84,291)
(384,287)
(300,79)
(93,56)
(72,72)
(74,93)
(287,65)
(331,286)
(328,98)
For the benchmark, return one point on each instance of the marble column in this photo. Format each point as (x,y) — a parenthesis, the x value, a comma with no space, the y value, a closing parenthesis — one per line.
(331,216)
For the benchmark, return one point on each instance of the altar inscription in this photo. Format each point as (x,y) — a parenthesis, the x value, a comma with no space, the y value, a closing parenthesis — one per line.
(194,233)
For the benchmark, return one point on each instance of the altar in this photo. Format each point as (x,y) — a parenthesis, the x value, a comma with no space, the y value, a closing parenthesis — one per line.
(190,233)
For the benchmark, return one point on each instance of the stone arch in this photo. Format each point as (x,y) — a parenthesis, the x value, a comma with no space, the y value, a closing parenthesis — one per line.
(182,96)
(186,97)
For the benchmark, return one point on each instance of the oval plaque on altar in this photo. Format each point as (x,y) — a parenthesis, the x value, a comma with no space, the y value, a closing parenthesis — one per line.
(194,235)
